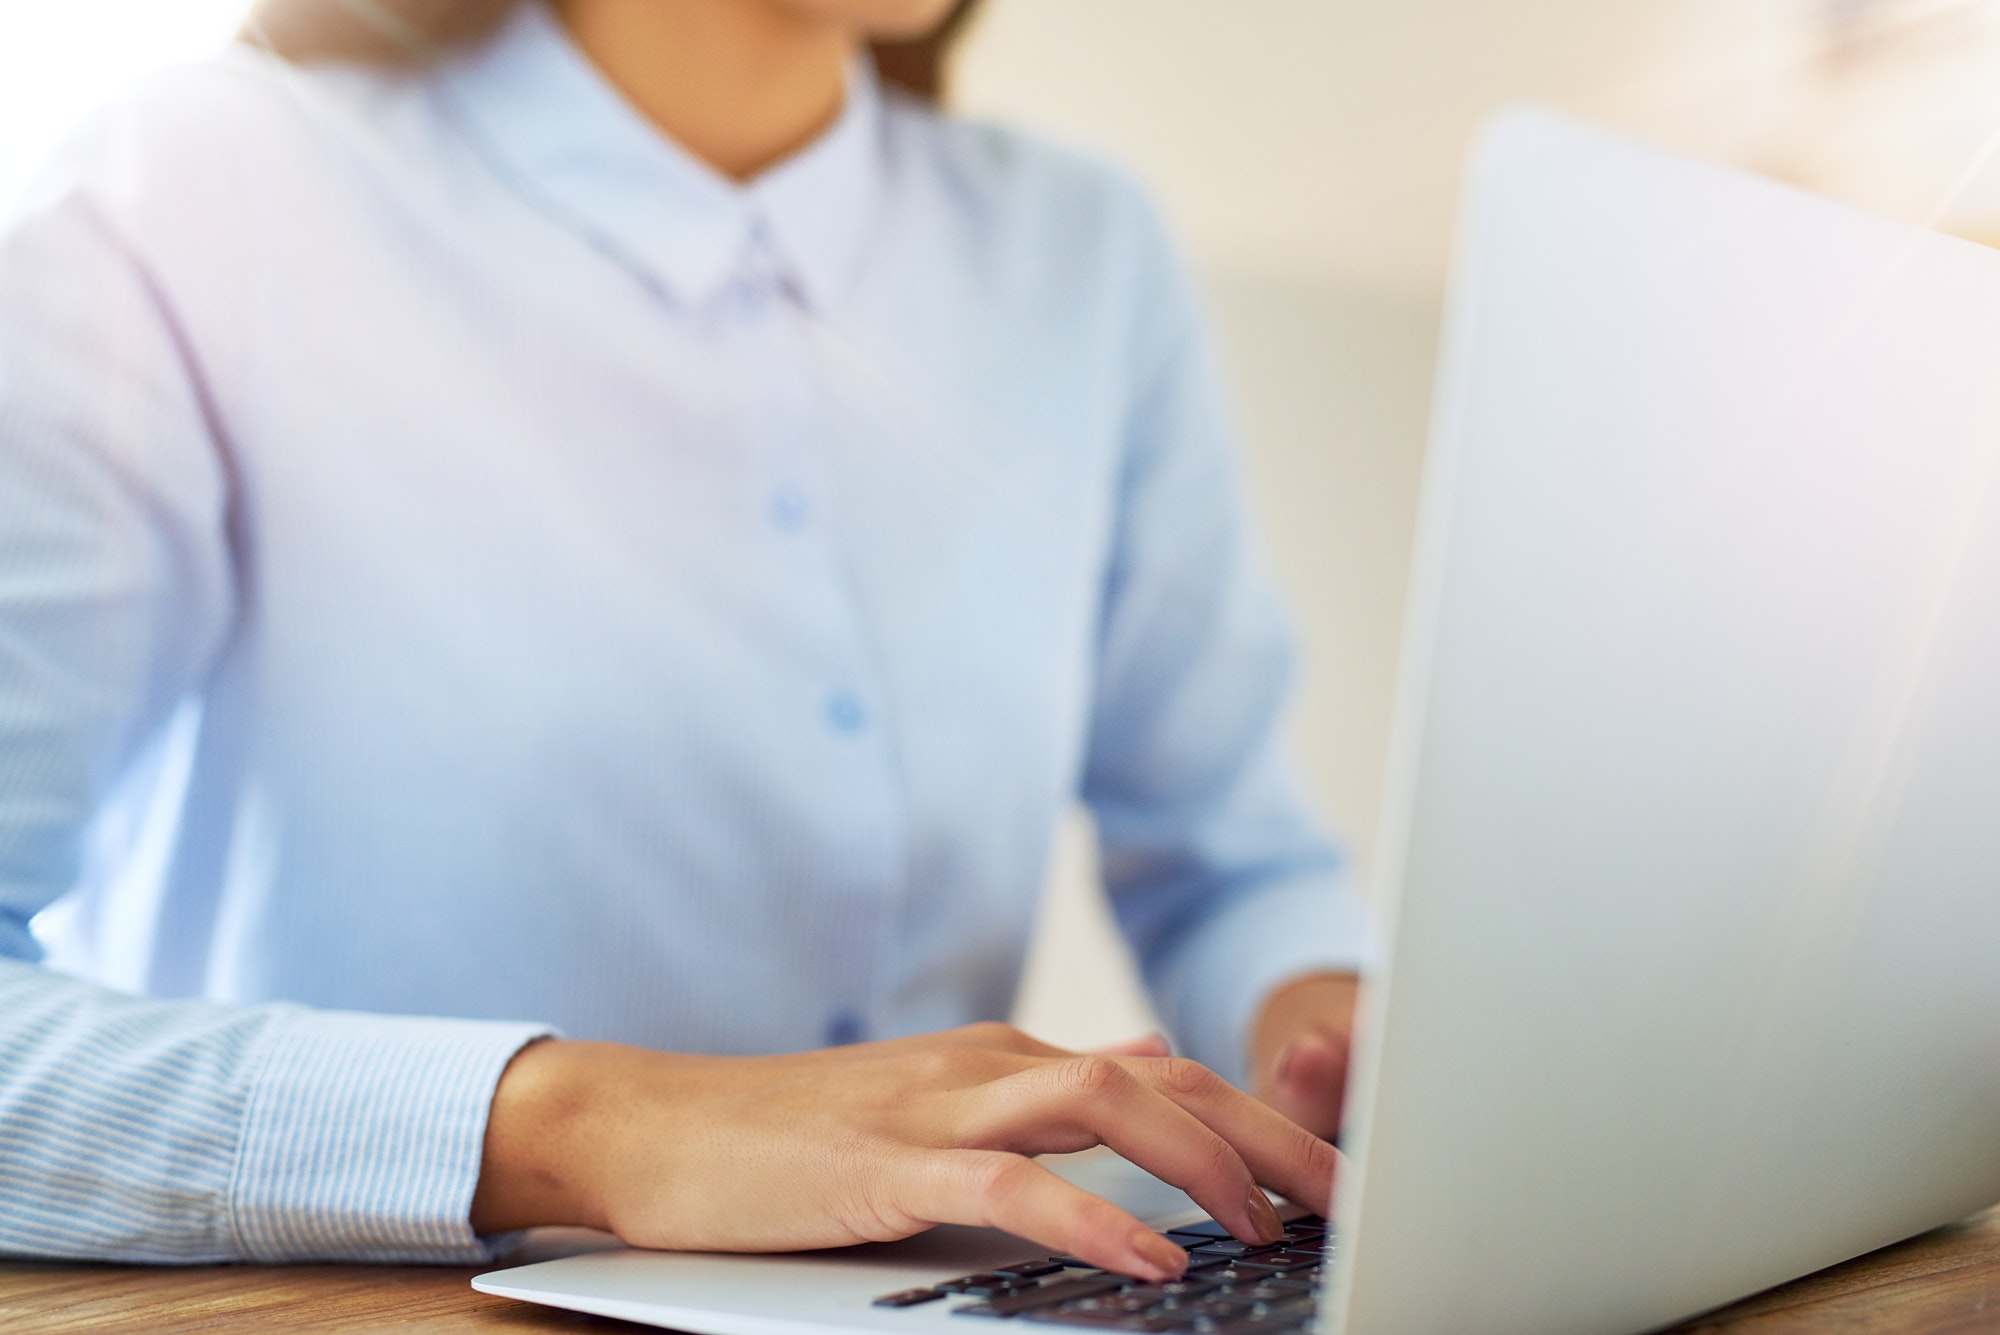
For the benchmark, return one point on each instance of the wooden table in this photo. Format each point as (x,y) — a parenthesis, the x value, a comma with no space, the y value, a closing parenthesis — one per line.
(1944,1283)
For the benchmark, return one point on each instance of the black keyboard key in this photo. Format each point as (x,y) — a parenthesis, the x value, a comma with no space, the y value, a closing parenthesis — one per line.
(1207,1228)
(1031,1269)
(1227,1309)
(1292,1309)
(1202,1263)
(1174,1290)
(1125,1300)
(1253,1325)
(1026,1300)
(1289,1261)
(909,1297)
(1101,1320)
(1231,1247)
(982,1285)
(1238,1272)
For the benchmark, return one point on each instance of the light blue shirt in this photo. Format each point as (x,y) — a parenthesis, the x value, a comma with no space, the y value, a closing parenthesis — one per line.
(460,557)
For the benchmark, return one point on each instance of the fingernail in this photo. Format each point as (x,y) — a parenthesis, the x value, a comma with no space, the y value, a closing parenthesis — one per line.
(1269,1227)
(1166,1043)
(1159,1259)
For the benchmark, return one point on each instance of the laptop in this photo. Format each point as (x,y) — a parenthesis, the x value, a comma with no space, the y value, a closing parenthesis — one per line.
(1691,860)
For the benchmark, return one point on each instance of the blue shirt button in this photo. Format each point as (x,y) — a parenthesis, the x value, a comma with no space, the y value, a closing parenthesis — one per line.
(844,1028)
(790,509)
(844,712)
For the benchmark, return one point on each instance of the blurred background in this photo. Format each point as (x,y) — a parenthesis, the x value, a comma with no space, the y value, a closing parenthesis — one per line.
(1308,152)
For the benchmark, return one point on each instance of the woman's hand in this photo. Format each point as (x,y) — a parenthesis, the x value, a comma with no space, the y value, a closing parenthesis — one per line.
(878,1141)
(1300,1045)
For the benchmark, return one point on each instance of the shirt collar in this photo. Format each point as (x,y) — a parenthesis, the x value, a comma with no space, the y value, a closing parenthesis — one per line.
(568,142)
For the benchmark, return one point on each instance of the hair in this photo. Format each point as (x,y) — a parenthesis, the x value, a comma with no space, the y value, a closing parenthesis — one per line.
(386,32)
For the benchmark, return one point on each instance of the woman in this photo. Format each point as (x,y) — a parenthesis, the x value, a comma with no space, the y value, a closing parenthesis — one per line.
(597,518)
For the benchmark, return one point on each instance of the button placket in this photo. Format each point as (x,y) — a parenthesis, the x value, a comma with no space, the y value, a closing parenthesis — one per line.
(790,507)
(845,712)
(861,854)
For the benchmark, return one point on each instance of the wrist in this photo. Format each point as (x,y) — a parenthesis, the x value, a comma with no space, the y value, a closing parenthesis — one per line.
(536,1165)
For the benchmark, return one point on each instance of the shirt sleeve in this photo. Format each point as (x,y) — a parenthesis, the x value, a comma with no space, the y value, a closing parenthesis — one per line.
(147,1130)
(1216,870)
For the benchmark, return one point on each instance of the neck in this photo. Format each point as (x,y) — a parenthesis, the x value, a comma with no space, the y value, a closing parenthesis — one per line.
(741,84)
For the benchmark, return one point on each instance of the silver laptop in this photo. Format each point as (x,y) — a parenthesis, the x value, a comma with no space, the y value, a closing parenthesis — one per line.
(1693,847)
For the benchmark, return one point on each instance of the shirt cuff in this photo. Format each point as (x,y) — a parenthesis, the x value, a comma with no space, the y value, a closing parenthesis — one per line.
(1210,991)
(362,1138)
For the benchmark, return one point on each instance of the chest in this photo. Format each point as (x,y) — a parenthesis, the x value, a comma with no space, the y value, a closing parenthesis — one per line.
(567,517)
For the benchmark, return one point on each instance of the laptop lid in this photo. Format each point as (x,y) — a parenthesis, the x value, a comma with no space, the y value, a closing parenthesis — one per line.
(1693,841)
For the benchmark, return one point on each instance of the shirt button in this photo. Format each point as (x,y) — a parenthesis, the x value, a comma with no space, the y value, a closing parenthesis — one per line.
(789,509)
(844,1028)
(844,712)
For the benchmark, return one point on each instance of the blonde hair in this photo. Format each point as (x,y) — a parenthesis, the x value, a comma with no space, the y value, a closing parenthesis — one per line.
(416,32)
(370,31)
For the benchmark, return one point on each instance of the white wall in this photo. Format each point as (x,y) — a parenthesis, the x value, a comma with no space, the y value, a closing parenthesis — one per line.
(60,58)
(1308,151)
(1324,136)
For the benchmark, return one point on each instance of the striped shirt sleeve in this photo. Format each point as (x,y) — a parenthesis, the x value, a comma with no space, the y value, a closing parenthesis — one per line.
(187,1131)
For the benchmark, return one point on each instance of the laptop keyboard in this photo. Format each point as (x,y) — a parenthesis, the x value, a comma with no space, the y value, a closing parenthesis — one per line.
(1231,1287)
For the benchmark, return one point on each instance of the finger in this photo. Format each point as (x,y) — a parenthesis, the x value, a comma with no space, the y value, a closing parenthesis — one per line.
(1280,1153)
(1310,1079)
(1090,1100)
(1154,1044)
(994,1189)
